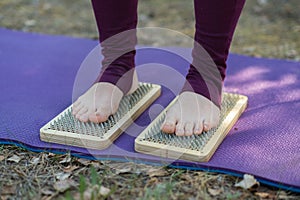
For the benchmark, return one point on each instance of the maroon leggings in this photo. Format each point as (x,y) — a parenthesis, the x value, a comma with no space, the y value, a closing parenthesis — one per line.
(215,24)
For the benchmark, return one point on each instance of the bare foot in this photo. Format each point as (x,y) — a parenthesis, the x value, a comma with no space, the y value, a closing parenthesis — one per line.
(191,114)
(100,101)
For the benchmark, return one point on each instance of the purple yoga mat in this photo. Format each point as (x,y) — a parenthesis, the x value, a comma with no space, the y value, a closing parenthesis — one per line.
(38,74)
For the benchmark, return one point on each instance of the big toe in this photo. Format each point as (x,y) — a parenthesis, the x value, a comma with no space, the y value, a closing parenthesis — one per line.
(209,124)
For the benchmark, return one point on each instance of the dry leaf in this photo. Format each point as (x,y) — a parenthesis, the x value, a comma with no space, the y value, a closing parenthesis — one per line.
(88,193)
(30,22)
(2,158)
(153,180)
(47,191)
(157,172)
(5,197)
(76,196)
(128,167)
(47,197)
(214,192)
(83,161)
(8,189)
(123,170)
(51,155)
(62,176)
(96,164)
(262,194)
(61,186)
(19,171)
(70,168)
(64,185)
(67,159)
(14,158)
(248,182)
(283,195)
(104,191)
(35,161)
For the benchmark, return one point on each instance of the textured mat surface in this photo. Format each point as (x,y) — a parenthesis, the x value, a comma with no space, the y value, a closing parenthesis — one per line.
(38,74)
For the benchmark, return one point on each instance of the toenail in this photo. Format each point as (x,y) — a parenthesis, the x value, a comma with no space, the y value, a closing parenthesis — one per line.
(205,126)
(197,131)
(188,133)
(168,124)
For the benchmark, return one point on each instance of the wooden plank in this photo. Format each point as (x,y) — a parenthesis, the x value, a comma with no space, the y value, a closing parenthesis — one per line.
(95,142)
(237,105)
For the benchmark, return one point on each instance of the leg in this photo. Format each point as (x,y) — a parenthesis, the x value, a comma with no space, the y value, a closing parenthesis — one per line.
(215,24)
(116,21)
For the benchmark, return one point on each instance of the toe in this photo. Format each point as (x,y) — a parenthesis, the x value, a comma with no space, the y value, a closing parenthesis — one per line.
(98,118)
(101,115)
(189,128)
(206,126)
(93,118)
(82,111)
(169,125)
(209,124)
(84,117)
(77,102)
(179,129)
(198,128)
(76,109)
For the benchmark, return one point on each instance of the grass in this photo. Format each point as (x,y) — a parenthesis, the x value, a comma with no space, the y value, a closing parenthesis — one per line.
(160,191)
(266,29)
(108,180)
(269,29)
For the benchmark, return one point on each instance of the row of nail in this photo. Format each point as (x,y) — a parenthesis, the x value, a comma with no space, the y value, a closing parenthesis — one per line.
(193,142)
(68,123)
(128,102)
